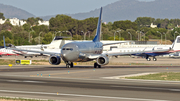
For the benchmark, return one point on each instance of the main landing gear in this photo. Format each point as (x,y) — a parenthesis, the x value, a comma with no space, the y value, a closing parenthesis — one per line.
(96,65)
(69,65)
(154,59)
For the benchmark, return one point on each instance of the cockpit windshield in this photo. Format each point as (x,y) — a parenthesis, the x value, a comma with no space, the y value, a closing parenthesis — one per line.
(68,49)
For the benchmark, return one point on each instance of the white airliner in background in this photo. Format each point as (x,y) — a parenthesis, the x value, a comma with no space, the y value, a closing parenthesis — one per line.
(52,47)
(148,52)
(89,51)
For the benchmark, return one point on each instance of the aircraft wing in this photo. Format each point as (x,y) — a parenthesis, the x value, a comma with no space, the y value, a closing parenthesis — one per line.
(34,51)
(115,43)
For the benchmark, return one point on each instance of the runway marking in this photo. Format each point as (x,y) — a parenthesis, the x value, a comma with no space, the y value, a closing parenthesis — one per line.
(78,95)
(25,81)
(175,90)
(59,73)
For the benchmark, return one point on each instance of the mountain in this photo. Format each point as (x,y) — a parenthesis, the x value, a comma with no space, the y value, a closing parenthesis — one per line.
(131,9)
(11,12)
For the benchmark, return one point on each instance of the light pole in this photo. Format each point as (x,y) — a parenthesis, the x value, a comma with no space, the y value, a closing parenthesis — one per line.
(165,37)
(114,34)
(29,34)
(161,36)
(119,35)
(39,36)
(138,34)
(56,33)
(84,35)
(68,32)
(130,35)
(174,34)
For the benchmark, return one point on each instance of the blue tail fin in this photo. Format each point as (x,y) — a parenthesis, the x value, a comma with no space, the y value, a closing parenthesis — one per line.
(98,32)
(4,42)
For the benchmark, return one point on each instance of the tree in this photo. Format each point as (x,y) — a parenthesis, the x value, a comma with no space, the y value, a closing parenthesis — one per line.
(2,16)
(47,38)
(33,21)
(124,25)
(144,21)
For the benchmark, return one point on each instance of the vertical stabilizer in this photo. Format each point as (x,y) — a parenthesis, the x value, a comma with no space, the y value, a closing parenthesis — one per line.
(98,32)
(176,45)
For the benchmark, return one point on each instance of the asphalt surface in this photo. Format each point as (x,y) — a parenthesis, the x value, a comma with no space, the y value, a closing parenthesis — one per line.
(84,83)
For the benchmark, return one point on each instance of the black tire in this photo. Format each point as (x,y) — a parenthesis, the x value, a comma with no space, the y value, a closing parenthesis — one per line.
(95,65)
(72,65)
(99,66)
(149,59)
(68,66)
(154,59)
(25,57)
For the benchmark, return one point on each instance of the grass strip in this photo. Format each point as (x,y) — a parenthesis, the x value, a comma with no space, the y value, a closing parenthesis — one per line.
(170,76)
(21,99)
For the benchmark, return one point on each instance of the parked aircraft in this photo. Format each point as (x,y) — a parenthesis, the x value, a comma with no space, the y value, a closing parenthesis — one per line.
(53,47)
(6,52)
(81,51)
(148,52)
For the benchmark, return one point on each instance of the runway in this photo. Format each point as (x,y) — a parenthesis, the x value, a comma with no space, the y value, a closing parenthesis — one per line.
(86,84)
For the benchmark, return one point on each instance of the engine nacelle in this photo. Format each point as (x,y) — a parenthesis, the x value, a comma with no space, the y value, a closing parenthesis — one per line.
(102,60)
(54,60)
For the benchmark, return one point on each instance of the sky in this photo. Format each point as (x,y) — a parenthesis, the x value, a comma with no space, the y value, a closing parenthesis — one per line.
(53,7)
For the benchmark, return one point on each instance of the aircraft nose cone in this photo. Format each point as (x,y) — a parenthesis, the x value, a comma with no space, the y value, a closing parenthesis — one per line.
(64,55)
(70,52)
(71,56)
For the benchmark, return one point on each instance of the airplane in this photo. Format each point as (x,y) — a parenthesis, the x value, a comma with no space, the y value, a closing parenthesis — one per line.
(148,52)
(6,52)
(52,47)
(80,51)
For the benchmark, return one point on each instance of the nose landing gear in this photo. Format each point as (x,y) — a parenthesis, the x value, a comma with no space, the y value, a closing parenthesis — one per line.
(69,65)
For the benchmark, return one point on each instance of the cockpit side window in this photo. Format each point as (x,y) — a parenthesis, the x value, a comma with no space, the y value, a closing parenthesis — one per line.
(68,49)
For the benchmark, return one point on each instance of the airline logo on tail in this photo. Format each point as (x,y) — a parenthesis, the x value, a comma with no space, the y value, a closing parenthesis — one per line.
(98,32)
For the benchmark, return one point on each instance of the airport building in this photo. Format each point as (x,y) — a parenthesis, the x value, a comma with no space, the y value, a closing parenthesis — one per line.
(17,22)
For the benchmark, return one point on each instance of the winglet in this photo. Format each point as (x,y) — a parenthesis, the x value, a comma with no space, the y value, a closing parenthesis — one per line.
(98,32)
(4,42)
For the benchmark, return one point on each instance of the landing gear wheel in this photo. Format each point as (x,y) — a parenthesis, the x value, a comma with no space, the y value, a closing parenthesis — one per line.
(69,65)
(149,59)
(96,65)
(154,59)
(25,57)
(72,65)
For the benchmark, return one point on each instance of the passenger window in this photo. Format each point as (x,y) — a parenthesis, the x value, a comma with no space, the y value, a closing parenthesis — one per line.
(71,49)
(67,49)
(64,49)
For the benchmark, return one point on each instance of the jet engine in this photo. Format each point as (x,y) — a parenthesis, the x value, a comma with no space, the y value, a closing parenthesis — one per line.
(55,60)
(102,60)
